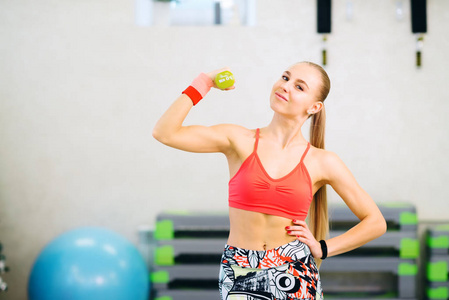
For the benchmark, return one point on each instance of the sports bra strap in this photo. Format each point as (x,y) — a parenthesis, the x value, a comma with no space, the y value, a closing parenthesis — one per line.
(305,152)
(257,140)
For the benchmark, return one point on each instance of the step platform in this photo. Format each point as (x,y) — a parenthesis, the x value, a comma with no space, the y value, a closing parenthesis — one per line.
(3,269)
(437,291)
(214,294)
(399,217)
(437,269)
(189,246)
(206,276)
(437,240)
(437,262)
(171,225)
(199,250)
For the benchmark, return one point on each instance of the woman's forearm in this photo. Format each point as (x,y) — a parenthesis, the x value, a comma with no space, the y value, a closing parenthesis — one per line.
(368,229)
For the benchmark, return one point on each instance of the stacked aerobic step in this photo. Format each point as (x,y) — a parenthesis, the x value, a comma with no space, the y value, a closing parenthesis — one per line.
(437,248)
(3,269)
(187,255)
(385,268)
(189,248)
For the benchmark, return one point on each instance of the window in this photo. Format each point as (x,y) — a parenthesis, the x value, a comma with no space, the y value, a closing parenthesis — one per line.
(195,12)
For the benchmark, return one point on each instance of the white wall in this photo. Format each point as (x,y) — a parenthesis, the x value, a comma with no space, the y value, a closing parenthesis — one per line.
(81,88)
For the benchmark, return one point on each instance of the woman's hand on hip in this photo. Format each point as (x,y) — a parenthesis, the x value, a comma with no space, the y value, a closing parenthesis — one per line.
(304,235)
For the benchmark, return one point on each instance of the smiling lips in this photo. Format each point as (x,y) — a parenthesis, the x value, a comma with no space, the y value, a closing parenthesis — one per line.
(281,97)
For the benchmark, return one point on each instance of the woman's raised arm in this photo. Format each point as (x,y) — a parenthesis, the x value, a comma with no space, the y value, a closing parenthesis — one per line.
(170,131)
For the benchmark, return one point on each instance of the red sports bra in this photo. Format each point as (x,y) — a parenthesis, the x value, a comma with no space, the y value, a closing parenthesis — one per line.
(251,188)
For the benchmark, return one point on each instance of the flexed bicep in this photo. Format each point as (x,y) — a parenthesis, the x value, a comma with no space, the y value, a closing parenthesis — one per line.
(170,130)
(201,139)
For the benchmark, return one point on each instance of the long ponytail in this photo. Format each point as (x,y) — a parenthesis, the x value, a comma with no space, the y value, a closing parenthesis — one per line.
(318,213)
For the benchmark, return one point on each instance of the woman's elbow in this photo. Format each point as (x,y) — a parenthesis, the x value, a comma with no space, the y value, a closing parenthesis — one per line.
(159,136)
(381,226)
(156,134)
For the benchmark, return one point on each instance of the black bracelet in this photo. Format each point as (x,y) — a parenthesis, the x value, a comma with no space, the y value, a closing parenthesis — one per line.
(323,249)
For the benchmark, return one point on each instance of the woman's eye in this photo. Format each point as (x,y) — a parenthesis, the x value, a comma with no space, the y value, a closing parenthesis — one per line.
(299,87)
(285,77)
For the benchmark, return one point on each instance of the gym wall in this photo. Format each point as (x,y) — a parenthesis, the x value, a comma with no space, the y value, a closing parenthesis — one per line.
(81,87)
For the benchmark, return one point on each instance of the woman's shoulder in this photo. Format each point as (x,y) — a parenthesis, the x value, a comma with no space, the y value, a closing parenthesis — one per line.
(327,161)
(241,139)
(324,157)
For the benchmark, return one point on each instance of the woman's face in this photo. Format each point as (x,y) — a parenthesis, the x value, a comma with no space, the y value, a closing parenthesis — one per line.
(296,91)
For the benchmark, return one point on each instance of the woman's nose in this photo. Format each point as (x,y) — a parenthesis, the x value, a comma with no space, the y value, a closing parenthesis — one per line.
(284,86)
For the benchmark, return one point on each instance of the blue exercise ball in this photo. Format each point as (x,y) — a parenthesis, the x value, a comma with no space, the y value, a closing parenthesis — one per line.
(89,263)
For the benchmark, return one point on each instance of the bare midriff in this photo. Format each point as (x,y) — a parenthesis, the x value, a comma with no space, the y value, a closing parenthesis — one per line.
(257,231)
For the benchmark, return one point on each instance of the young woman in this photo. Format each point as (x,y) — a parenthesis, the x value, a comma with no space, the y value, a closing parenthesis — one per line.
(277,179)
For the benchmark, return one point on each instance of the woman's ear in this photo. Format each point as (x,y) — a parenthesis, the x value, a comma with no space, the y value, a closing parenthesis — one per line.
(316,107)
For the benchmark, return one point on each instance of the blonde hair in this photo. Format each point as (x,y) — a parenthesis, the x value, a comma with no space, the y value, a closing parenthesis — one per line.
(318,213)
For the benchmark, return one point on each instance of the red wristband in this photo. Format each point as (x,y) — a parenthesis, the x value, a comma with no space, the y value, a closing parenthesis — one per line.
(199,88)
(193,94)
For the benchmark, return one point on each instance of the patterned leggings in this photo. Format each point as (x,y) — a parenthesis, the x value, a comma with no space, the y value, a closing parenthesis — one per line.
(287,272)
